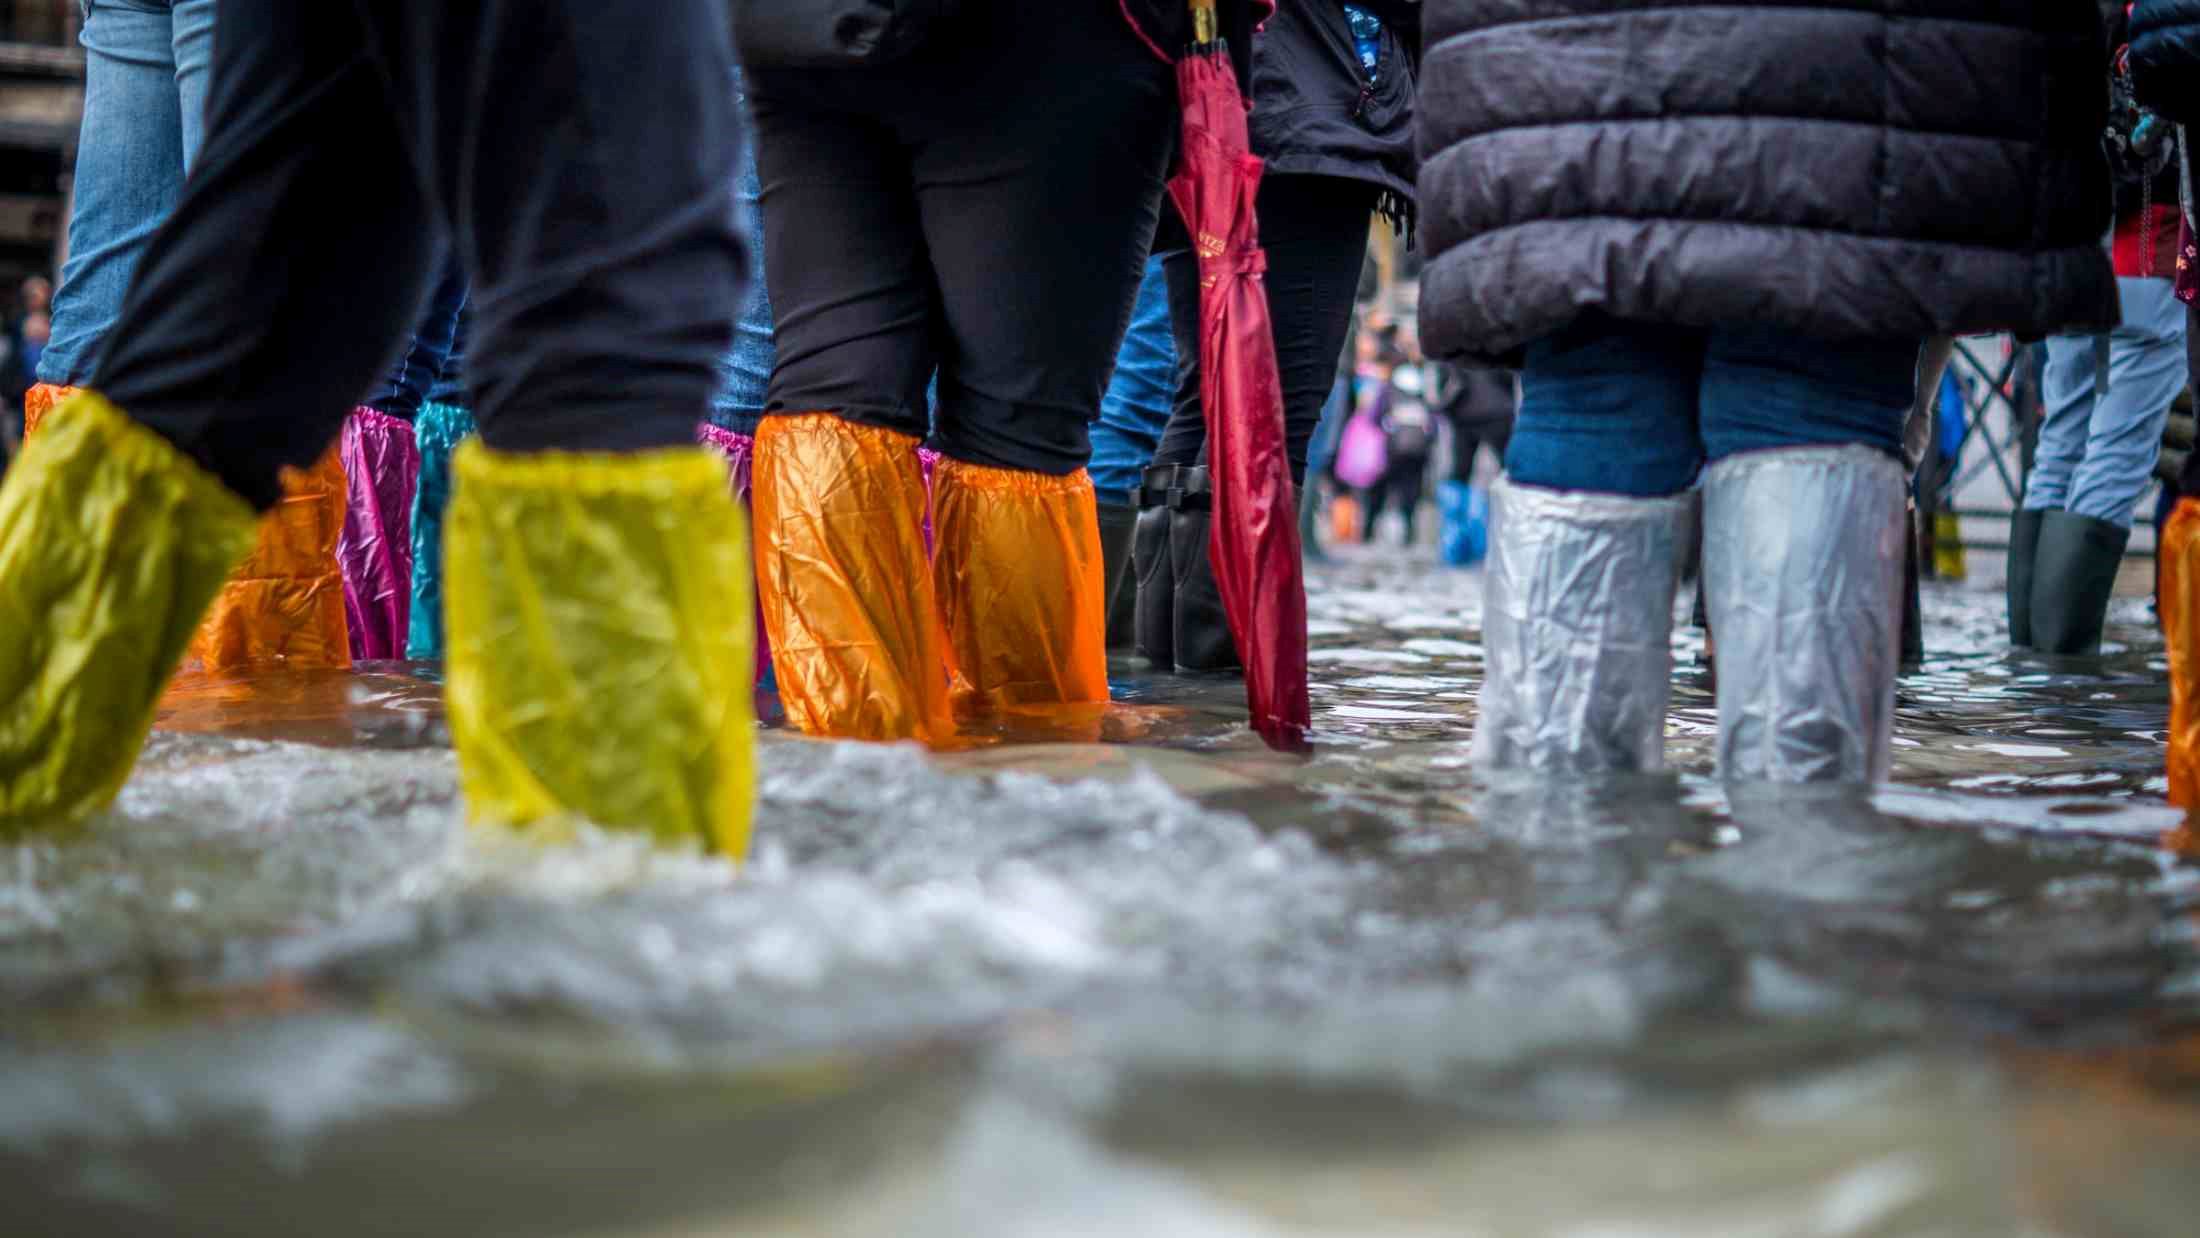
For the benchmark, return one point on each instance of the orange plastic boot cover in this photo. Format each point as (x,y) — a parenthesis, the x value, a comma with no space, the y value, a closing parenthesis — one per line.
(1021,585)
(2180,551)
(842,573)
(39,401)
(286,602)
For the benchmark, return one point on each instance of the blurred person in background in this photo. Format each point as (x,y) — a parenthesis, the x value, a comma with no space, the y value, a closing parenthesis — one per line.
(1723,274)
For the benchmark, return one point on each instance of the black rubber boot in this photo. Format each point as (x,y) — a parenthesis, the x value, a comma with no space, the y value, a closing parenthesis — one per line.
(1913,610)
(2024,546)
(1153,606)
(2073,576)
(1118,529)
(1202,638)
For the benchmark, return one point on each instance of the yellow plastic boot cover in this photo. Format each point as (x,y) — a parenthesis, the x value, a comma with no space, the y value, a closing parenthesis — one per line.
(1020,583)
(846,584)
(599,652)
(112,543)
(2180,551)
(285,603)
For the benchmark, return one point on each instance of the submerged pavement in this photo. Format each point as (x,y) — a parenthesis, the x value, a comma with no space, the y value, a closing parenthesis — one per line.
(1141,977)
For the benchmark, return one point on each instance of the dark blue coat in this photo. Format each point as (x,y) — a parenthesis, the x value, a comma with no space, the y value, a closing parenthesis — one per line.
(2165,57)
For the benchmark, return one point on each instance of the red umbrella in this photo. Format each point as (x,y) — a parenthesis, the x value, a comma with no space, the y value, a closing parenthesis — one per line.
(1254,538)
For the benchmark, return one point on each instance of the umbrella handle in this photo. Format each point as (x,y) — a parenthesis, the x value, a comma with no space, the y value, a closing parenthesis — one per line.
(1204,25)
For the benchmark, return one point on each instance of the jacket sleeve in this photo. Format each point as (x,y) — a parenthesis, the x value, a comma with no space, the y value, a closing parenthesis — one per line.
(2165,57)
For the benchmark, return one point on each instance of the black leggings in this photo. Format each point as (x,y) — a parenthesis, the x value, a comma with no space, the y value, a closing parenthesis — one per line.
(578,161)
(1315,231)
(981,211)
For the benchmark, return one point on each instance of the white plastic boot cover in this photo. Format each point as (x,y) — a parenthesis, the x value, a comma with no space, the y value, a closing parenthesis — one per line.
(1803,571)
(1577,627)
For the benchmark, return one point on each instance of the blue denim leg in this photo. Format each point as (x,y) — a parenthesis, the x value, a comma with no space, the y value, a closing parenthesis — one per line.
(1610,407)
(450,386)
(2097,451)
(1140,396)
(2146,370)
(745,372)
(420,368)
(1765,388)
(2066,388)
(146,65)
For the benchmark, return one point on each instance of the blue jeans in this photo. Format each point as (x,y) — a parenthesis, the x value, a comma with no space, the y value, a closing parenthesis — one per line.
(2097,449)
(745,372)
(145,73)
(1637,409)
(429,367)
(1140,396)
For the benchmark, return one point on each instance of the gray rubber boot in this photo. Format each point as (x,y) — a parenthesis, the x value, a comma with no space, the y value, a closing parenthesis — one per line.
(1153,607)
(2024,548)
(1202,643)
(1577,629)
(1118,529)
(1803,567)
(2073,577)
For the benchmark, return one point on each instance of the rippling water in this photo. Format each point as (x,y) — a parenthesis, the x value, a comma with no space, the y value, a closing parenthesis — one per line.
(1144,978)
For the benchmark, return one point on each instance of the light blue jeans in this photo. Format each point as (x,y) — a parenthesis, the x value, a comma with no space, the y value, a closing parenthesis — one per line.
(1140,396)
(745,372)
(145,77)
(2097,449)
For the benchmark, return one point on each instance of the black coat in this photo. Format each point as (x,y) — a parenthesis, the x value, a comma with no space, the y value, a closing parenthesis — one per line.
(1843,169)
(1314,111)
(2165,57)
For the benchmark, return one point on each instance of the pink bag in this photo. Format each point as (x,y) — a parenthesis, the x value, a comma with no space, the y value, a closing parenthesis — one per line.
(1363,451)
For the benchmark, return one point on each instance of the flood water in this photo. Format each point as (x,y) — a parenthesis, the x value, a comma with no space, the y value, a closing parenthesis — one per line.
(1144,978)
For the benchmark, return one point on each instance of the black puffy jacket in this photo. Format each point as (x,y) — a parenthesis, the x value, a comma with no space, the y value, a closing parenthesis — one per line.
(1840,168)
(2165,57)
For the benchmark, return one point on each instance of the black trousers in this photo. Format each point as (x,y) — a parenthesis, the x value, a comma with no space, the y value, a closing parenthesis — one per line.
(981,211)
(1315,231)
(577,157)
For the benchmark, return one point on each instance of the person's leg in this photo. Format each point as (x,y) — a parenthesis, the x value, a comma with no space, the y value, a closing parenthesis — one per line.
(129,174)
(600,661)
(1038,220)
(2067,389)
(219,373)
(1587,531)
(1132,413)
(842,570)
(1803,549)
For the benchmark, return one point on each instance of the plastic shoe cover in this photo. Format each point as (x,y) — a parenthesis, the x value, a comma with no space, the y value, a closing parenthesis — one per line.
(1577,629)
(1803,568)
(2180,551)
(436,432)
(285,603)
(847,588)
(112,543)
(599,642)
(739,452)
(41,400)
(1021,588)
(382,469)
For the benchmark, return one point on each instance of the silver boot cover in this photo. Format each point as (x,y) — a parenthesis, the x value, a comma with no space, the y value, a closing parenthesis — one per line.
(1803,572)
(1577,627)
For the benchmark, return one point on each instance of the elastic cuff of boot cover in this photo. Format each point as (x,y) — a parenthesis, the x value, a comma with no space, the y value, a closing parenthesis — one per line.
(600,663)
(285,602)
(845,580)
(40,401)
(1577,621)
(382,472)
(1021,584)
(1803,568)
(2180,612)
(112,543)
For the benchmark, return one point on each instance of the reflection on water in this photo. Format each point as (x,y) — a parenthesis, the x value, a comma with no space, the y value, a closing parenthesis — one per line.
(1134,974)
